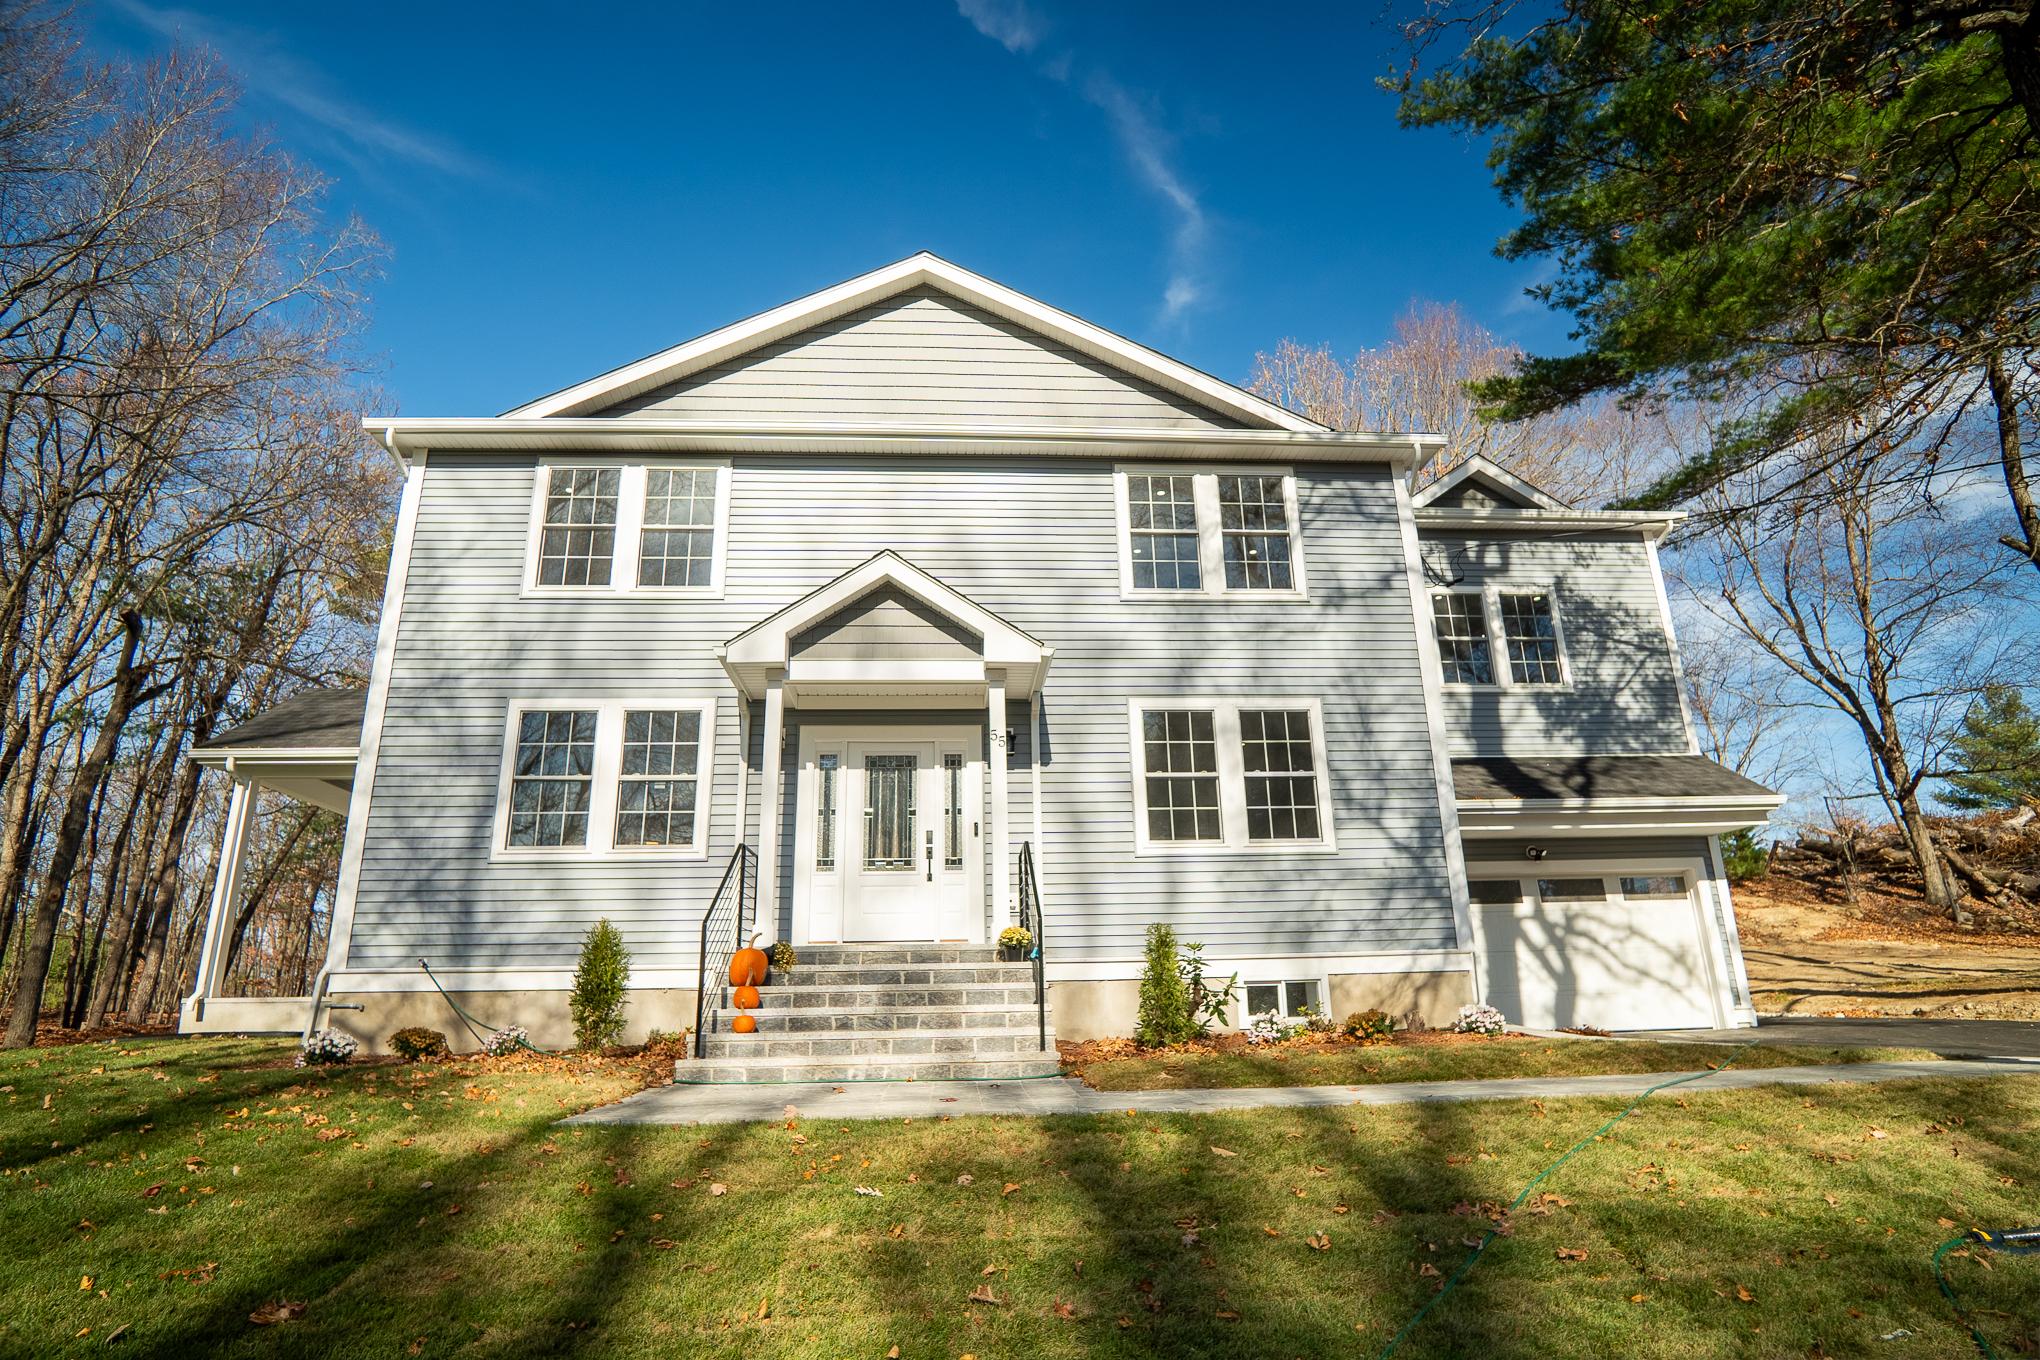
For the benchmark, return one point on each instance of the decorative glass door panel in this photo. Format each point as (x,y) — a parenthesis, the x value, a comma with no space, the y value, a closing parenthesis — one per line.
(889,820)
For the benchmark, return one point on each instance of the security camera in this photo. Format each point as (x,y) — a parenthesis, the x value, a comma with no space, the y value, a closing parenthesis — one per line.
(1534,852)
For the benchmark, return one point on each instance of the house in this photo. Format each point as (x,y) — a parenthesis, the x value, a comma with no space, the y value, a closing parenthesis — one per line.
(916,607)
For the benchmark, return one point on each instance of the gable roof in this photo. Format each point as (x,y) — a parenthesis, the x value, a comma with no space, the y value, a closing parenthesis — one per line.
(923,270)
(1500,483)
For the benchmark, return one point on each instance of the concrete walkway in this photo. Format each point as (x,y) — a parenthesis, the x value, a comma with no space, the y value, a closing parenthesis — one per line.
(1951,1038)
(682,1105)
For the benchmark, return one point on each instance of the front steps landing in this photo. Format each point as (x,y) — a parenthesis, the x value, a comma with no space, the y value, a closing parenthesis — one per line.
(882,1012)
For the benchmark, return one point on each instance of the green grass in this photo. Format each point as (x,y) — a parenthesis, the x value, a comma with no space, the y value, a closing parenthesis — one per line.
(440,1211)
(1512,1056)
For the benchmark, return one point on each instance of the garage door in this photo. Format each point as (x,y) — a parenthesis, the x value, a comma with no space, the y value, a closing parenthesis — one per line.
(1610,952)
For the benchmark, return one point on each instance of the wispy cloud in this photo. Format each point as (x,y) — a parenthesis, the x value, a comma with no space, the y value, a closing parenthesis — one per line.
(271,72)
(1014,26)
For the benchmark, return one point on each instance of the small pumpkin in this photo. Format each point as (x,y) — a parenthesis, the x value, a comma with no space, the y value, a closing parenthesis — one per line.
(747,998)
(747,965)
(744,1024)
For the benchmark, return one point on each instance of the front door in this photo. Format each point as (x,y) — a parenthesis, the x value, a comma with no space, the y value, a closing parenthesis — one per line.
(888,837)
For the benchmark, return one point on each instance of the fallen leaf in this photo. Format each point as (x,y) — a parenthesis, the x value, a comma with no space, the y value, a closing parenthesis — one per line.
(152,1191)
(1270,1231)
(1572,1254)
(893,1354)
(1319,1241)
(983,1294)
(1063,1309)
(1743,1292)
(1637,1298)
(1227,1315)
(718,1188)
(1428,1270)
(966,1179)
(1009,1188)
(1223,1152)
(116,1334)
(271,1313)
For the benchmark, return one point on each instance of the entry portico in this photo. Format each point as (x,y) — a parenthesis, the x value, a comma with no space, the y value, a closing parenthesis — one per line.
(898,687)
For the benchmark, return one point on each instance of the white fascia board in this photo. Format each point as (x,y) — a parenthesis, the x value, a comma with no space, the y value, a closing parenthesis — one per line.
(1477,466)
(915,271)
(1652,524)
(230,757)
(1613,816)
(407,436)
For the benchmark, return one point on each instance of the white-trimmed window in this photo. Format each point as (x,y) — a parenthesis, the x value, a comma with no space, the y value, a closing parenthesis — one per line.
(1200,532)
(1478,624)
(644,528)
(1289,998)
(621,778)
(1229,775)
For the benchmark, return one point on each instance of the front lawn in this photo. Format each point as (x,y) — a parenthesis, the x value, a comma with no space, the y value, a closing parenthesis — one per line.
(159,1192)
(1117,1065)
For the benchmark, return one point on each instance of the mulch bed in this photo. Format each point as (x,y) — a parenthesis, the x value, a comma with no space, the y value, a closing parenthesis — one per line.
(1079,1054)
(49,1034)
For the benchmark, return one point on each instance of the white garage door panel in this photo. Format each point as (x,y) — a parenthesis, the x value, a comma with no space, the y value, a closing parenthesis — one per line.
(1612,965)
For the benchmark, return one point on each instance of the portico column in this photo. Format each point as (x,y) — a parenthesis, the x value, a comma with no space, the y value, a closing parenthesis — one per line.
(770,799)
(226,893)
(997,749)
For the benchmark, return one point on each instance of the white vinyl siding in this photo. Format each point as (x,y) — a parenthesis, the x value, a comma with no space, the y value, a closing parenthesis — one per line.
(1200,532)
(1033,540)
(1619,693)
(641,528)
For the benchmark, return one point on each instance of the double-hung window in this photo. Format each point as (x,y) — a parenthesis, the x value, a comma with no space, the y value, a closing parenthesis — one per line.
(1232,775)
(613,778)
(1498,635)
(1199,532)
(649,528)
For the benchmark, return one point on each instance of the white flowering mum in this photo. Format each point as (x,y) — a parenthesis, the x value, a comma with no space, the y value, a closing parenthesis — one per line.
(326,1046)
(506,1041)
(1482,1019)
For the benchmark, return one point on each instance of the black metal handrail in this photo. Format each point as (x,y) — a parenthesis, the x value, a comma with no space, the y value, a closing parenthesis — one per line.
(1030,921)
(732,910)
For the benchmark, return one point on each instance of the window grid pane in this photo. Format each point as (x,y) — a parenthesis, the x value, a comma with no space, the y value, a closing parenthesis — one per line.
(1531,636)
(551,777)
(1281,775)
(1254,522)
(677,547)
(1495,892)
(656,790)
(1572,890)
(1655,885)
(952,812)
(1180,751)
(1162,523)
(889,812)
(1463,647)
(825,813)
(579,537)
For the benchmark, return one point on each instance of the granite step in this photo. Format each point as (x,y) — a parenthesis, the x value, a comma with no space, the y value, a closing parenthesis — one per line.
(886,995)
(862,1067)
(816,955)
(947,1045)
(916,974)
(866,1019)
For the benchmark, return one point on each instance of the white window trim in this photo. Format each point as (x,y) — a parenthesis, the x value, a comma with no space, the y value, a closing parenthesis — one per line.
(1232,780)
(1490,593)
(630,523)
(1210,537)
(602,796)
(1244,1016)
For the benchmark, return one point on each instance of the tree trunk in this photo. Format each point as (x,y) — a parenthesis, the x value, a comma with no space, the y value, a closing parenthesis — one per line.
(2012,456)
(162,900)
(1940,887)
(40,940)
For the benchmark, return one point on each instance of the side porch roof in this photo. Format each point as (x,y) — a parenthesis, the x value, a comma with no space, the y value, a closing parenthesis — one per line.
(1605,794)
(305,746)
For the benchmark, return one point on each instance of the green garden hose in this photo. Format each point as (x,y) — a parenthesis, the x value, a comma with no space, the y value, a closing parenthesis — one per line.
(471,1022)
(1491,1234)
(2019,1241)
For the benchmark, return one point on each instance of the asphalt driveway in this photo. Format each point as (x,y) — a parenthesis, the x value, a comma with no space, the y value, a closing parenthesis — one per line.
(1950,1038)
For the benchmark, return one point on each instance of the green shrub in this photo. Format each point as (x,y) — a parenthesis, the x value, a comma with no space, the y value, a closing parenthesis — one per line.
(1743,856)
(1210,1003)
(1370,1024)
(600,980)
(1165,1016)
(417,1042)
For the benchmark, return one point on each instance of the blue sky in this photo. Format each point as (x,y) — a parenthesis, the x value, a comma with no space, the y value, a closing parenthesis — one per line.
(560,196)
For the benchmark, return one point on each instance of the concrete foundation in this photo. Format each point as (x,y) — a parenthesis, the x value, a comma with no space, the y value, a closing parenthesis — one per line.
(544,1014)
(1094,1010)
(1436,997)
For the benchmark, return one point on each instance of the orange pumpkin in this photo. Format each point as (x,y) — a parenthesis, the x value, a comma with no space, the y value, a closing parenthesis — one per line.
(747,998)
(744,1024)
(747,965)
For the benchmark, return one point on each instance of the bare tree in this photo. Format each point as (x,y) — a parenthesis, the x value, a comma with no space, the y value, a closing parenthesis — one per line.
(1418,382)
(1880,601)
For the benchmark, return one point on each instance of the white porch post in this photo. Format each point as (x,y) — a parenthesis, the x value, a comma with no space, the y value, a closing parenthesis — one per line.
(226,893)
(1034,750)
(770,796)
(997,748)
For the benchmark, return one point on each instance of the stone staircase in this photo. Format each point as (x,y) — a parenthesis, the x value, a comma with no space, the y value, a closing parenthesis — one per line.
(880,1012)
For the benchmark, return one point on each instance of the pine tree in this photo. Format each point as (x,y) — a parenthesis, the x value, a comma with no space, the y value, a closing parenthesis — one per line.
(600,981)
(1165,1016)
(2000,746)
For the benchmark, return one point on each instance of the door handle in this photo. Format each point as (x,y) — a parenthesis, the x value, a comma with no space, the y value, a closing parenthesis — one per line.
(931,856)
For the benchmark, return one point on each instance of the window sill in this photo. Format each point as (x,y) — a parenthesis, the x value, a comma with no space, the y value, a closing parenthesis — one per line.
(1216,596)
(531,592)
(1193,849)
(583,855)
